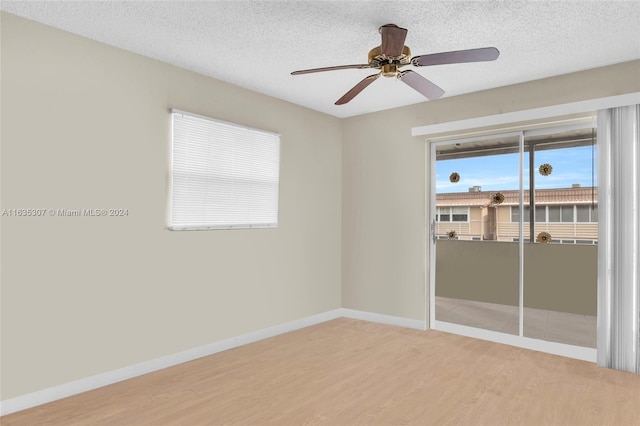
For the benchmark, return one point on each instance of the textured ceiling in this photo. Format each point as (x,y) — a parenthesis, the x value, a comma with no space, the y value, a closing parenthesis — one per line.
(256,44)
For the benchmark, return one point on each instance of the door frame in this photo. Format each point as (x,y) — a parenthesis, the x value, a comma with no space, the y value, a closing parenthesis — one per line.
(572,351)
(469,126)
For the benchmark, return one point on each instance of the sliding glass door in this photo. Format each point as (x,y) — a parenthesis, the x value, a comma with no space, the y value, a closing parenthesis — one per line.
(514,232)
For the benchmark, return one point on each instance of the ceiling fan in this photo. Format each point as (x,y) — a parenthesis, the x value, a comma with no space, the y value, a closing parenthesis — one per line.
(393,54)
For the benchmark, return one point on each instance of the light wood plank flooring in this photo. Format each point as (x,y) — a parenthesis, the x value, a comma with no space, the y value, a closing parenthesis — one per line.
(350,372)
(553,326)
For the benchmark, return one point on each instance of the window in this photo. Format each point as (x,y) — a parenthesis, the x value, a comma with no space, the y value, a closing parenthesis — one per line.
(554,213)
(586,213)
(459,214)
(582,213)
(566,213)
(444,214)
(588,242)
(561,214)
(515,214)
(223,175)
(452,214)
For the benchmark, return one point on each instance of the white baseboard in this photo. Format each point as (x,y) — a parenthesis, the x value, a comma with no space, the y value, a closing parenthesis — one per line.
(44,396)
(383,319)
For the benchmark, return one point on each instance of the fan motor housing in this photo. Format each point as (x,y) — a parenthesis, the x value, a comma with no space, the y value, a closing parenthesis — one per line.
(389,65)
(389,70)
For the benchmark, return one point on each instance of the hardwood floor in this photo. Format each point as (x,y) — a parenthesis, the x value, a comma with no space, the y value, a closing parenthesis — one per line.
(350,372)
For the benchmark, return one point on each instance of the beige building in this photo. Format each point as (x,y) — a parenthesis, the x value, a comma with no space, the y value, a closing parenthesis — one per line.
(569,215)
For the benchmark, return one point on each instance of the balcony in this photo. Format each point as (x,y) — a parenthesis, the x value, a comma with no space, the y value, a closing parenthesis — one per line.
(477,284)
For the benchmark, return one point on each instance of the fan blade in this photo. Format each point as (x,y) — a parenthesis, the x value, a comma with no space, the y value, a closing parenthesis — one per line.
(392,40)
(357,89)
(457,57)
(339,67)
(421,84)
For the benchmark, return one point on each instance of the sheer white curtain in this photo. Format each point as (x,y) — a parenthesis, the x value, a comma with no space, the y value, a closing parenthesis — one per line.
(619,238)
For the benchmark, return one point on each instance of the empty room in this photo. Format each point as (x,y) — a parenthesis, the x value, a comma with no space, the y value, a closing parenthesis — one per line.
(318,212)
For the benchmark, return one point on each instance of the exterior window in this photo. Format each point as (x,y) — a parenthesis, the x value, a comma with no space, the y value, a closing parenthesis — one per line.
(588,242)
(442,214)
(582,213)
(223,175)
(460,214)
(554,213)
(587,213)
(567,213)
(515,214)
(452,214)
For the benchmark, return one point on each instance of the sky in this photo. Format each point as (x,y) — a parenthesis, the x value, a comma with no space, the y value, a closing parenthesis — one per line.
(500,172)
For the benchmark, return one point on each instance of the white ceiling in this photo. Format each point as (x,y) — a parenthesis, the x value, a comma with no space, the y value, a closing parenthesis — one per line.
(256,44)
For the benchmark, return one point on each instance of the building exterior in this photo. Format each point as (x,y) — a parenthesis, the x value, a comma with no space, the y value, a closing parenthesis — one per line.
(569,215)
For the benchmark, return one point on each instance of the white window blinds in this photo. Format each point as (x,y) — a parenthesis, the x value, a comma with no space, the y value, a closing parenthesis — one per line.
(224,175)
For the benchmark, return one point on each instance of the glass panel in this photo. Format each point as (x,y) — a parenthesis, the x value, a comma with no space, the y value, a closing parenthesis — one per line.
(560,276)
(567,213)
(554,213)
(582,213)
(515,214)
(477,247)
(476,258)
(460,214)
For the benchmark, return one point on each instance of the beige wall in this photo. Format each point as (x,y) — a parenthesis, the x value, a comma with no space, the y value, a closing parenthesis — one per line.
(561,277)
(486,271)
(85,125)
(384,185)
(557,277)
